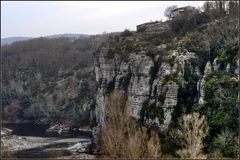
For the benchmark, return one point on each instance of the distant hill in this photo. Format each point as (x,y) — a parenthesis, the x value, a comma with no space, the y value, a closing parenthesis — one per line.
(74,36)
(11,40)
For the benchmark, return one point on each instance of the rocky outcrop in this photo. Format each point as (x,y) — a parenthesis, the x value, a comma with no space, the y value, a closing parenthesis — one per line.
(105,72)
(81,147)
(143,78)
(237,68)
(168,81)
(228,67)
(201,83)
(169,102)
(58,129)
(114,74)
(216,65)
(5,132)
(139,87)
(152,75)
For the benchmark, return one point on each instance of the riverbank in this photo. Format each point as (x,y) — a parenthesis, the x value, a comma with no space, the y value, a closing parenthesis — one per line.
(47,130)
(46,147)
(15,143)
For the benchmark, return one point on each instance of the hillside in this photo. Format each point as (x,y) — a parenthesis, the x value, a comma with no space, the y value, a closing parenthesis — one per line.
(171,69)
(49,80)
(10,40)
(168,90)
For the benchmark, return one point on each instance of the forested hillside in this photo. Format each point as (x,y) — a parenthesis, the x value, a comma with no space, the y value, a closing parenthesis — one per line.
(49,80)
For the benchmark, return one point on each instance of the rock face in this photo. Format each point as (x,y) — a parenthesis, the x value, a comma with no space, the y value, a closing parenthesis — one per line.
(139,87)
(216,66)
(162,79)
(144,78)
(105,72)
(169,103)
(207,71)
(114,74)
(236,71)
(167,82)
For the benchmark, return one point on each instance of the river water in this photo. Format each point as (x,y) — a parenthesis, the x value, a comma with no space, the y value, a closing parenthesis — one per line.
(47,145)
(57,147)
(28,129)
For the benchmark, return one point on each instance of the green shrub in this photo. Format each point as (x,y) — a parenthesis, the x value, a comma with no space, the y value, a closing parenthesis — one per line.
(153,72)
(24,101)
(170,61)
(186,95)
(186,23)
(110,53)
(152,111)
(220,109)
(124,81)
(126,33)
(172,77)
(110,86)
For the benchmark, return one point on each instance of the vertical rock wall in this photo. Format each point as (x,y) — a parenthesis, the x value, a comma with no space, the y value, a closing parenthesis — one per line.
(137,79)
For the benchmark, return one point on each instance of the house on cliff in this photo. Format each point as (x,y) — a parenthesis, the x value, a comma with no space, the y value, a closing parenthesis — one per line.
(188,10)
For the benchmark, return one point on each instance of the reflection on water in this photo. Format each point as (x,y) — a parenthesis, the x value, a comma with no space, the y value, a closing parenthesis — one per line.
(39,130)
(28,129)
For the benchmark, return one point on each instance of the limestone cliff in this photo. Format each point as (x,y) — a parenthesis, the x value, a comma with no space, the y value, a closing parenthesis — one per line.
(157,78)
(144,78)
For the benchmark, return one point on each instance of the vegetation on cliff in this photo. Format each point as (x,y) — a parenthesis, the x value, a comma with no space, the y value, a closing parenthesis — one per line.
(212,34)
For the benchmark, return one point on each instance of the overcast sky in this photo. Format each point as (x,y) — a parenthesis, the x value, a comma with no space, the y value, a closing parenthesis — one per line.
(39,18)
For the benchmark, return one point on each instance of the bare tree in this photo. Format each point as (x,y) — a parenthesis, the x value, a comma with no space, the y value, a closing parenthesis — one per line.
(207,6)
(189,135)
(233,7)
(168,11)
(122,136)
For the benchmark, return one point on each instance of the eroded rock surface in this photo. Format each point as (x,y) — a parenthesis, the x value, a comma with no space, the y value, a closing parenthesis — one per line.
(143,78)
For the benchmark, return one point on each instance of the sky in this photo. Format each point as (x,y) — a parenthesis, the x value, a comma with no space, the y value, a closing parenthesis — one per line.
(41,18)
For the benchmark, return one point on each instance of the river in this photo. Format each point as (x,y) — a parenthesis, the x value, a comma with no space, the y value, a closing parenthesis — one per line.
(32,141)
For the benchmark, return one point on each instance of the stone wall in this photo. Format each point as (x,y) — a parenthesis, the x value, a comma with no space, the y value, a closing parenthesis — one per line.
(152,27)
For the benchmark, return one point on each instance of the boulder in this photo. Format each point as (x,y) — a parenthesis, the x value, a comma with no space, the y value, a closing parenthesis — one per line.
(58,129)
(6,132)
(81,147)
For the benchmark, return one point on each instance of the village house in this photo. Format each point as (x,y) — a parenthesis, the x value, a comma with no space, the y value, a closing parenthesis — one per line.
(183,11)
